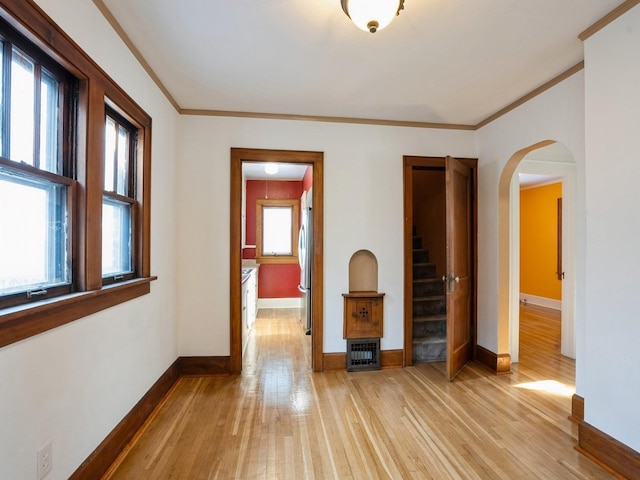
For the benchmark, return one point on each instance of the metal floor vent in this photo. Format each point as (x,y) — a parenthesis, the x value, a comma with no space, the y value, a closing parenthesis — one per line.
(363,354)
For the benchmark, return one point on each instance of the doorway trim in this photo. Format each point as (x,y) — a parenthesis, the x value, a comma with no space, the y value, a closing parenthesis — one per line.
(408,163)
(509,250)
(315,159)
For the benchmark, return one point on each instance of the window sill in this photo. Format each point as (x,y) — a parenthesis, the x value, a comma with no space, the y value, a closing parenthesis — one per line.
(24,321)
(277,259)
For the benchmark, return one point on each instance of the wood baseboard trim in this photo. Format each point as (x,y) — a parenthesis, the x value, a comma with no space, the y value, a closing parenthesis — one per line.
(203,366)
(606,451)
(577,409)
(337,362)
(391,359)
(97,464)
(334,362)
(499,363)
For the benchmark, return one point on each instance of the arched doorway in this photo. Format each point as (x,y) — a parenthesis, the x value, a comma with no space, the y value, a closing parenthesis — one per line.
(544,158)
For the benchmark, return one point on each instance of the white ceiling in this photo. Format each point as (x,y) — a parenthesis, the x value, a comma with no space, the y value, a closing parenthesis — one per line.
(286,171)
(440,61)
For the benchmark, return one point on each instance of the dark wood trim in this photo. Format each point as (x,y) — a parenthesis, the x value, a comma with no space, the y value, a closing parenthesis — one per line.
(94,85)
(97,464)
(201,366)
(391,358)
(608,452)
(19,323)
(532,94)
(320,118)
(608,18)
(498,363)
(577,408)
(335,362)
(136,53)
(316,160)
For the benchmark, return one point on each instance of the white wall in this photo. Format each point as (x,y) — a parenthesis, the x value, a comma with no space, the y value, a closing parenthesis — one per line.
(612,80)
(557,114)
(363,209)
(73,384)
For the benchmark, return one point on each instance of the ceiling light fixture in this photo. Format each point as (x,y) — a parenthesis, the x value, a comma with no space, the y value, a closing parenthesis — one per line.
(372,15)
(271,168)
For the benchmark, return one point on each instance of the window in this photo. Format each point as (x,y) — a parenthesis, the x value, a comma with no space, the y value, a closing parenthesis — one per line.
(118,199)
(36,193)
(276,231)
(75,162)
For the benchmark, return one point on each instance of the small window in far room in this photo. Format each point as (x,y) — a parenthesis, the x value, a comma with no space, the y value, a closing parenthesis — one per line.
(276,231)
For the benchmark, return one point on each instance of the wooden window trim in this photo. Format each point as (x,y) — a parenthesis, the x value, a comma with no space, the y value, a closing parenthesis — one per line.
(95,89)
(295,217)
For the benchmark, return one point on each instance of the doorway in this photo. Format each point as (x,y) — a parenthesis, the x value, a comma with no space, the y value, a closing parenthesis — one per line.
(545,158)
(440,206)
(278,157)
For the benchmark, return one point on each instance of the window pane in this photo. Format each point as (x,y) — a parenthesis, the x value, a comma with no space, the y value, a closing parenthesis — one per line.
(276,231)
(33,238)
(110,145)
(49,123)
(116,237)
(22,108)
(123,161)
(2,97)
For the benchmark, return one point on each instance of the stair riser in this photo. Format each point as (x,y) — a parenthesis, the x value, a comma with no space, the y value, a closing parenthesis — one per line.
(417,242)
(423,308)
(430,329)
(424,271)
(426,289)
(421,256)
(429,352)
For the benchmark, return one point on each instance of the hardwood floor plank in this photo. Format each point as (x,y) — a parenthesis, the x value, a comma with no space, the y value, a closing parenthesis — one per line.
(280,420)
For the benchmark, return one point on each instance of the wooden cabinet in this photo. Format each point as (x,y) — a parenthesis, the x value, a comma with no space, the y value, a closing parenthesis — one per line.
(363,314)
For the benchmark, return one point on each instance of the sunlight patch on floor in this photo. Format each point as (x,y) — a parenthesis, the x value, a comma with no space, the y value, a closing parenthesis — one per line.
(550,386)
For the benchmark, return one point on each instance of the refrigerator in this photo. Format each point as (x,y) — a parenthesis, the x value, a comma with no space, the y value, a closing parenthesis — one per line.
(305,256)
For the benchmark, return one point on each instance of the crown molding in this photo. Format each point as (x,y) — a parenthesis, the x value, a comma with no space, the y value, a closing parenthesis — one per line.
(608,18)
(617,12)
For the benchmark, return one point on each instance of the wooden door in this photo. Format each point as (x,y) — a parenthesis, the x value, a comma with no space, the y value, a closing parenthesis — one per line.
(459,276)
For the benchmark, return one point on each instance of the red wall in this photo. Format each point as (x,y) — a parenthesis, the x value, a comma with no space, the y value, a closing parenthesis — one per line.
(307,180)
(274,280)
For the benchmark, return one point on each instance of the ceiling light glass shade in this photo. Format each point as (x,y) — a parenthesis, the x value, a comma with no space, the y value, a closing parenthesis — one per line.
(271,168)
(372,15)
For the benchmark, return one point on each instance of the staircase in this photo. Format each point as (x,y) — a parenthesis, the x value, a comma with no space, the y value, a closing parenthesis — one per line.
(429,309)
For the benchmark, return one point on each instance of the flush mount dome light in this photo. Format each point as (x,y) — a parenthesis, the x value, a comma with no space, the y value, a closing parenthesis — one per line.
(271,168)
(372,15)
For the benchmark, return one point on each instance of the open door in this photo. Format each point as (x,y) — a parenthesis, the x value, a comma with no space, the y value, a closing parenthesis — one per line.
(459,265)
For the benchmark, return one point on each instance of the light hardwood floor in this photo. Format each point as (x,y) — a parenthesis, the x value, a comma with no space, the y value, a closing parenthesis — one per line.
(278,420)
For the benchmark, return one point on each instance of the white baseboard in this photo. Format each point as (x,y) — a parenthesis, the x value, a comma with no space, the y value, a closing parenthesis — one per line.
(280,303)
(541,301)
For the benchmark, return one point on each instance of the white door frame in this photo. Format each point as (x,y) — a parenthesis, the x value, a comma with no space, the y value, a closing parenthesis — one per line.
(567,173)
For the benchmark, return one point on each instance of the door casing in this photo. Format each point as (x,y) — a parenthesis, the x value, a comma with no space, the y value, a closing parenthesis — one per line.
(315,159)
(409,163)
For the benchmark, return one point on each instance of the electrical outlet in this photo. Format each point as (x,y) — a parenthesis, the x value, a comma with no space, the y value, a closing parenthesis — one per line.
(45,460)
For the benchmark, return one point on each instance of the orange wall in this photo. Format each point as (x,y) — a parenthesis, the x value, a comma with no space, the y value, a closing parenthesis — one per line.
(538,241)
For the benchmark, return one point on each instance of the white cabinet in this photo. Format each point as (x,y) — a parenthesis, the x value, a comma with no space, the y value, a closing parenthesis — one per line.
(249,302)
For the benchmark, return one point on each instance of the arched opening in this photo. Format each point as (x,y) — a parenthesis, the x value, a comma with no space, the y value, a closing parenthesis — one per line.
(543,158)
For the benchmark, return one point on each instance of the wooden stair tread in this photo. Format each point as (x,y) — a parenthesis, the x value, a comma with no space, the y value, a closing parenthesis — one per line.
(430,318)
(429,340)
(427,280)
(429,297)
